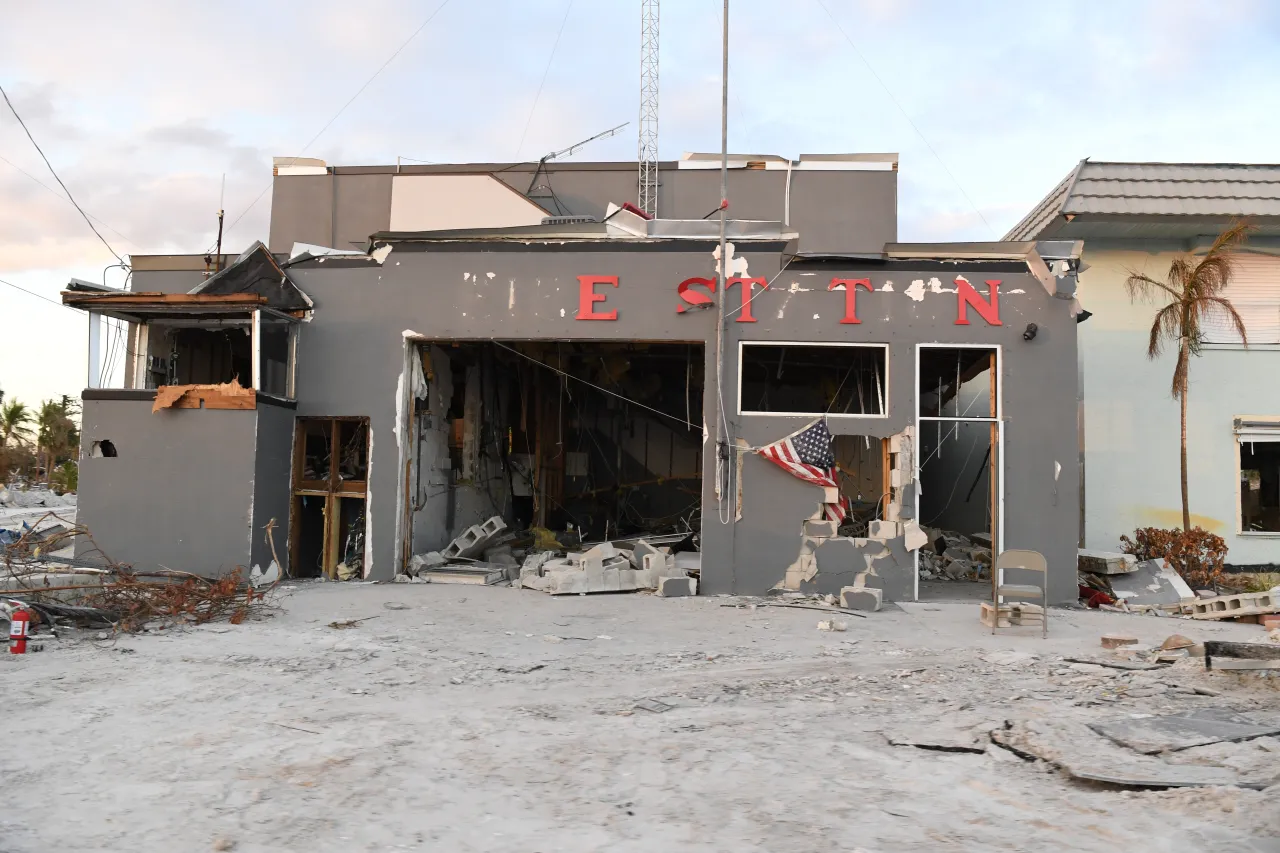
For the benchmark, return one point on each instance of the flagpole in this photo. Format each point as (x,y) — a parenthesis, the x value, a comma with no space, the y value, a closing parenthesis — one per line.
(723,454)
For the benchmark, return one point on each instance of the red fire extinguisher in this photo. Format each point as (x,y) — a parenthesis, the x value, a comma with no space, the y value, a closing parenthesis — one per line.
(19,628)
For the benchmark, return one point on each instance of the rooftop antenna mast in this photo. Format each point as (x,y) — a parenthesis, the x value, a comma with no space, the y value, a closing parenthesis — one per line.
(648,149)
(566,152)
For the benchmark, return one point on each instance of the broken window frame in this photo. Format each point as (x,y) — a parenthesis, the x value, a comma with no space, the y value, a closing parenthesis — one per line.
(1252,430)
(997,438)
(141,321)
(884,387)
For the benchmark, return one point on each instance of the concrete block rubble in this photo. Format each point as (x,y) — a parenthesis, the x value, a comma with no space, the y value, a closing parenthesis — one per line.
(491,554)
(953,556)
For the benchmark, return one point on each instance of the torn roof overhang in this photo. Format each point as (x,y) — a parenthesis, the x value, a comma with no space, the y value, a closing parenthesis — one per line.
(256,271)
(1028,256)
(79,285)
(653,231)
(142,307)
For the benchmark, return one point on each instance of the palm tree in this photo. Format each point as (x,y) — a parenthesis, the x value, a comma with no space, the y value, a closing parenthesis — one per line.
(57,437)
(14,417)
(1194,288)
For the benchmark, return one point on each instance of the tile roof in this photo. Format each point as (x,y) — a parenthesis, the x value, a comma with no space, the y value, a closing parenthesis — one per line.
(1156,189)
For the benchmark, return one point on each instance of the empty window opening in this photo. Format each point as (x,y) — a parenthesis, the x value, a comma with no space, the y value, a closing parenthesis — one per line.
(330,489)
(590,440)
(102,447)
(203,356)
(813,379)
(957,382)
(1260,486)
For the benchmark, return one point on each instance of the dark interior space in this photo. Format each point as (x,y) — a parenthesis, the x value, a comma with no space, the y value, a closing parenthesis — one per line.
(210,357)
(813,379)
(601,440)
(944,370)
(1260,486)
(862,473)
(309,514)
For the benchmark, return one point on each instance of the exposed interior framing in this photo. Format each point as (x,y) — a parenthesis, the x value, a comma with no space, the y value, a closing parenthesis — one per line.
(328,515)
(833,379)
(588,440)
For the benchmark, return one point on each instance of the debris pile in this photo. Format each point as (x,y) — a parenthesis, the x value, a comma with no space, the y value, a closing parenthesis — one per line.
(953,556)
(491,554)
(612,568)
(111,593)
(33,498)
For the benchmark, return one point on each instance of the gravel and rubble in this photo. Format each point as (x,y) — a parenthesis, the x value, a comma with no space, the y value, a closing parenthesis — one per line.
(486,718)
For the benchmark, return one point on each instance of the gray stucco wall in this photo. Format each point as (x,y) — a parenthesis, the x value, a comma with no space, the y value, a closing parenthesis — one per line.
(834,210)
(352,354)
(273,462)
(180,491)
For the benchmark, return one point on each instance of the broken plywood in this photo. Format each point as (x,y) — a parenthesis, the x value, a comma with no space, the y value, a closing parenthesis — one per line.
(228,395)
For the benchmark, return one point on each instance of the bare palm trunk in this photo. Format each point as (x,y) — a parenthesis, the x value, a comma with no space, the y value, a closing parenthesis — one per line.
(1186,506)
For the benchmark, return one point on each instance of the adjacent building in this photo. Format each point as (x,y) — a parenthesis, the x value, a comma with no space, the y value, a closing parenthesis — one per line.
(1138,217)
(417,349)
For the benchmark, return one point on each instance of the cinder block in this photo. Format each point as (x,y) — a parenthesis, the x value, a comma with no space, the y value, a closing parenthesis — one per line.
(883,530)
(603,551)
(820,529)
(867,580)
(860,598)
(830,494)
(493,526)
(638,553)
(677,587)
(659,562)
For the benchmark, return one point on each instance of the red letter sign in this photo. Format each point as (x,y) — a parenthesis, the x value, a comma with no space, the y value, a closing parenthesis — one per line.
(851,286)
(966,296)
(587,297)
(695,299)
(745,316)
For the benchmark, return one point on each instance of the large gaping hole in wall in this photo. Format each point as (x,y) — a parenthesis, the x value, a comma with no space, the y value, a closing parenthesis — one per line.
(1260,486)
(813,379)
(589,440)
(200,356)
(862,472)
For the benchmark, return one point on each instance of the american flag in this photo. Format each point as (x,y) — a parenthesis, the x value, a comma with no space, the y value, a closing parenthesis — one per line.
(807,454)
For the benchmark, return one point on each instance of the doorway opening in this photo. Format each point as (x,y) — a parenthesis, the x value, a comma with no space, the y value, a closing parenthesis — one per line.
(328,515)
(580,441)
(959,463)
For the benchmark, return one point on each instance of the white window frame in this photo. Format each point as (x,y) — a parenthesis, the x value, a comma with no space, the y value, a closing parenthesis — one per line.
(1253,429)
(998,411)
(884,390)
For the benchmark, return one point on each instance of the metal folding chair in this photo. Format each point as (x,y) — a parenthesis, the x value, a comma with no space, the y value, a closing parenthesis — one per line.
(1031,561)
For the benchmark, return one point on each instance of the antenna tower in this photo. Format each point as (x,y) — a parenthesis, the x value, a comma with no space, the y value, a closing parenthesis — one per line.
(648,151)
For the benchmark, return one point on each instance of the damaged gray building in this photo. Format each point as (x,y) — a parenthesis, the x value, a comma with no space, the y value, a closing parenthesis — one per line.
(416,350)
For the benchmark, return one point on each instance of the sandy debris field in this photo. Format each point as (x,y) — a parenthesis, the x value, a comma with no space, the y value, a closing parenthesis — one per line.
(494,719)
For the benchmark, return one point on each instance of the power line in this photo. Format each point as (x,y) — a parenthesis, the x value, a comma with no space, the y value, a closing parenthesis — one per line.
(545,72)
(343,109)
(37,295)
(18,168)
(87,220)
(888,92)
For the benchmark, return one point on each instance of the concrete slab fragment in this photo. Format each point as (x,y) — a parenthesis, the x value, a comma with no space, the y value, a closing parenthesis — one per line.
(1173,732)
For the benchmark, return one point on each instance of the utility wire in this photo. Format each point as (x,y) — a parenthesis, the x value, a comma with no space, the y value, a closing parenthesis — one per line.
(18,168)
(628,400)
(888,92)
(545,72)
(343,109)
(87,220)
(37,295)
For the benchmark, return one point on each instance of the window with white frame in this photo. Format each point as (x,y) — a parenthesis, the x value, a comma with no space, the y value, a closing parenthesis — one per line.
(816,379)
(1259,471)
(1254,292)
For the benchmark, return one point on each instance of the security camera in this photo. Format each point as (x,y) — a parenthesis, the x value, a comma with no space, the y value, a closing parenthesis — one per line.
(1030,333)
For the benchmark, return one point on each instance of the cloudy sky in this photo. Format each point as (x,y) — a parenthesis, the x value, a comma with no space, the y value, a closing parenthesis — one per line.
(144,107)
